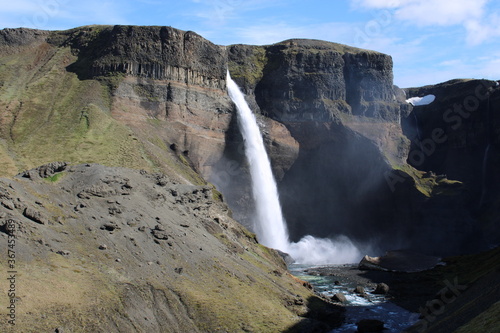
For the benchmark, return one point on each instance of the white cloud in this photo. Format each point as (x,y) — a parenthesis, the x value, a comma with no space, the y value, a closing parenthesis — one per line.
(443,13)
(472,15)
(480,31)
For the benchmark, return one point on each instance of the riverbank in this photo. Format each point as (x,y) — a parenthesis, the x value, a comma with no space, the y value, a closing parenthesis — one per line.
(460,296)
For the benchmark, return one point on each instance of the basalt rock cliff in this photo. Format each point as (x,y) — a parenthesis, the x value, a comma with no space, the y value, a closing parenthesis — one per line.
(458,136)
(351,157)
(340,135)
(355,172)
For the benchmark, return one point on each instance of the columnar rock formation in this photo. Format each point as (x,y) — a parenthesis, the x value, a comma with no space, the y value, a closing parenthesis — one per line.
(155,98)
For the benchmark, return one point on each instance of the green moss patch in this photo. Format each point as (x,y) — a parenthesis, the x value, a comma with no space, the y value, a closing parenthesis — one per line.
(430,184)
(54,178)
(252,68)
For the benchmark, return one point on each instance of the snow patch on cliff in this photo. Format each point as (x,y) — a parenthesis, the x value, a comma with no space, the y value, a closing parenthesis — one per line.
(418,101)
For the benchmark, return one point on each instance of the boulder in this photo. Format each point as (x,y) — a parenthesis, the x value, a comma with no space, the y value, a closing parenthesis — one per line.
(48,170)
(44,171)
(288,258)
(339,297)
(160,234)
(371,263)
(382,289)
(35,215)
(359,290)
(399,261)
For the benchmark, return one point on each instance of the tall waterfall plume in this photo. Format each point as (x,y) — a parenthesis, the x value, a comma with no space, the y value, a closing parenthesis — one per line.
(269,224)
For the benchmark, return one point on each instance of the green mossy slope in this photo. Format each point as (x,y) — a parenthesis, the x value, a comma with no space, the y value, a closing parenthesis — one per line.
(48,114)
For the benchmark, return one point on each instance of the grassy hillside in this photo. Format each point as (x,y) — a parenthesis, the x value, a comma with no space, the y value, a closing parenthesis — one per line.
(48,114)
(142,253)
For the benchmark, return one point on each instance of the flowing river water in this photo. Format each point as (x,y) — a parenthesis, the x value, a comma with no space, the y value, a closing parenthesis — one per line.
(328,280)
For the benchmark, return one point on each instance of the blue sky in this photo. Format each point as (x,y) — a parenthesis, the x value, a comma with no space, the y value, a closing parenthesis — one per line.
(430,41)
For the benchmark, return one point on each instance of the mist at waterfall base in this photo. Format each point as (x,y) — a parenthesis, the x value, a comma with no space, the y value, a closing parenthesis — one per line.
(269,223)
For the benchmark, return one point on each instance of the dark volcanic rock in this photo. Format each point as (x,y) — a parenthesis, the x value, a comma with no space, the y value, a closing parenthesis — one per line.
(359,290)
(399,261)
(10,39)
(339,297)
(160,234)
(324,93)
(161,53)
(312,80)
(302,82)
(44,171)
(369,87)
(381,288)
(35,215)
(457,136)
(50,169)
(450,135)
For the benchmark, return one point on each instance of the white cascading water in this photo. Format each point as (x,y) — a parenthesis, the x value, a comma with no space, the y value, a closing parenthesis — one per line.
(269,225)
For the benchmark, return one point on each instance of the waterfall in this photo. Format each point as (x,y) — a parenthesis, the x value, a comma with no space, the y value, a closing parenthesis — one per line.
(269,224)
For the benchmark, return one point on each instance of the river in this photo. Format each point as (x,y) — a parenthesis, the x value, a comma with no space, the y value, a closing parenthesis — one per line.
(331,279)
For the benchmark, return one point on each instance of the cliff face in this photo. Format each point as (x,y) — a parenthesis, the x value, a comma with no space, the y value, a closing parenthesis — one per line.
(339,103)
(154,98)
(451,134)
(161,53)
(164,87)
(300,80)
(169,86)
(351,175)
(458,135)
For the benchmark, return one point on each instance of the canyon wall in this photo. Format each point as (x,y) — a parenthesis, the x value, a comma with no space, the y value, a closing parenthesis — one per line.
(355,174)
(343,142)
